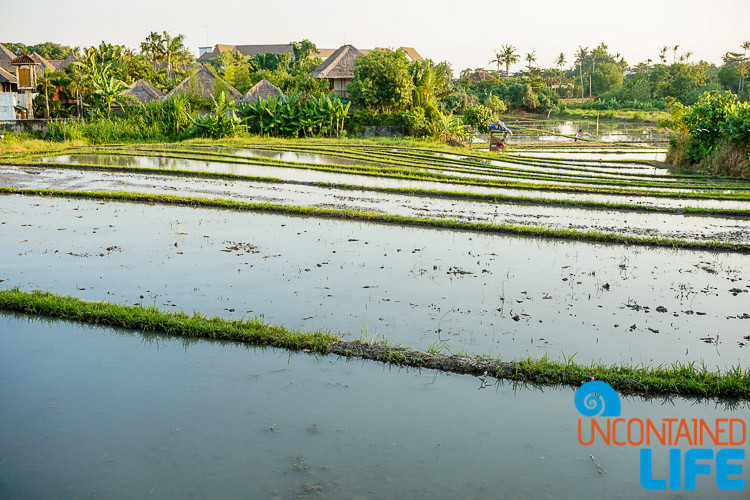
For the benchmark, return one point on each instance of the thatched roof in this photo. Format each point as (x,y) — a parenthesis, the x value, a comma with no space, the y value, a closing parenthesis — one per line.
(248,50)
(63,63)
(203,84)
(6,56)
(262,90)
(339,65)
(144,91)
(7,77)
(41,60)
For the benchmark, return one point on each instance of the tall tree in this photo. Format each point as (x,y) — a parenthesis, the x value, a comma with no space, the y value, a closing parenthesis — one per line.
(663,54)
(597,52)
(580,56)
(498,60)
(175,52)
(674,53)
(153,48)
(530,58)
(560,61)
(509,56)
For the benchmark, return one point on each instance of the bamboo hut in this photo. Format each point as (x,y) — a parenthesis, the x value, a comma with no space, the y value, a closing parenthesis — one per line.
(338,68)
(262,90)
(144,91)
(204,84)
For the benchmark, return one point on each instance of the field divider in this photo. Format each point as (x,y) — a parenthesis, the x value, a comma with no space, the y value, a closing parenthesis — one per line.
(676,379)
(381,218)
(415,192)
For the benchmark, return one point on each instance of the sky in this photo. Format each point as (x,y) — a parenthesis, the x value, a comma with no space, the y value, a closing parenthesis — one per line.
(464,33)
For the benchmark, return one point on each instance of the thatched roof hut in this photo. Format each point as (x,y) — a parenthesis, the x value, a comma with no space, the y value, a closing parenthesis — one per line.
(204,84)
(262,90)
(6,56)
(8,81)
(248,50)
(63,63)
(338,65)
(144,91)
(338,68)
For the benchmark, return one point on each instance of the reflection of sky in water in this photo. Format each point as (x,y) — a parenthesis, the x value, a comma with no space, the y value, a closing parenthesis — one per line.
(398,282)
(91,410)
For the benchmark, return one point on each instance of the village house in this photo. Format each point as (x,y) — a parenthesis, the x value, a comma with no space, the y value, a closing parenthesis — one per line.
(204,84)
(338,68)
(206,54)
(262,90)
(143,91)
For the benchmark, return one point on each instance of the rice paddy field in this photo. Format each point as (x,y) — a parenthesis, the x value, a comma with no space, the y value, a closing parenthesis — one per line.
(373,277)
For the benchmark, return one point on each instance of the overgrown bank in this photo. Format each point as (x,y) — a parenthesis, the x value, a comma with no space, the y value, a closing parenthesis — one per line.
(678,379)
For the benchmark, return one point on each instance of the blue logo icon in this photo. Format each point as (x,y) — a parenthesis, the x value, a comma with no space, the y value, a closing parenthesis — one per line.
(597,398)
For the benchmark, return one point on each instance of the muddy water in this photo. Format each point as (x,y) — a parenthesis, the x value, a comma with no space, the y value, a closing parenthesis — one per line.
(117,414)
(456,291)
(375,181)
(641,224)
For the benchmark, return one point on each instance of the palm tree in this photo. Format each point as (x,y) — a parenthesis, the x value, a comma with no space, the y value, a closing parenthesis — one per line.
(509,56)
(674,53)
(530,58)
(45,82)
(580,56)
(560,61)
(174,51)
(153,46)
(498,60)
(688,55)
(663,54)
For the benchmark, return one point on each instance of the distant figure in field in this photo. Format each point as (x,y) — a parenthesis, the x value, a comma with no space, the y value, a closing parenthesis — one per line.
(580,131)
(499,126)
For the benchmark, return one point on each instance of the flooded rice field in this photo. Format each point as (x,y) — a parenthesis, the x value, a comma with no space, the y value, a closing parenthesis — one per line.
(121,414)
(450,290)
(564,130)
(670,225)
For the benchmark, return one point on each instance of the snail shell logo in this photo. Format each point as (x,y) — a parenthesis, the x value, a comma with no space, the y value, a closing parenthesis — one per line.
(597,398)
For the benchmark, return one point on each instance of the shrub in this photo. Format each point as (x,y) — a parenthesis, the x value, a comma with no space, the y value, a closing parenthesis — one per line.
(479,117)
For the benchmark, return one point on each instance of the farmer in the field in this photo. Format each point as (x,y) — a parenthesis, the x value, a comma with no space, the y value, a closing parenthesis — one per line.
(499,126)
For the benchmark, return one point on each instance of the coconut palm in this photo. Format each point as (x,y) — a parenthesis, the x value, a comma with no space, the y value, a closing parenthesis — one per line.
(530,58)
(174,51)
(153,47)
(674,53)
(560,61)
(663,54)
(509,56)
(498,60)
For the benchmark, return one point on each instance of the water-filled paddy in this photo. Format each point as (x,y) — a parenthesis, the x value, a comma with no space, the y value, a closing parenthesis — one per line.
(457,291)
(374,180)
(121,414)
(672,225)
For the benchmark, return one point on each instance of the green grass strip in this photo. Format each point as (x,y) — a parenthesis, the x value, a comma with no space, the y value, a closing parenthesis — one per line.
(677,379)
(566,234)
(417,192)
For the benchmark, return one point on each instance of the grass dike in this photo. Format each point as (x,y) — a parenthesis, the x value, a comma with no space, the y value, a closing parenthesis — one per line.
(676,379)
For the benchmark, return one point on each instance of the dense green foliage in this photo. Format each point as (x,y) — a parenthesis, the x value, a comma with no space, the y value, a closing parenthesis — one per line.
(382,81)
(713,134)
(478,116)
(48,50)
(296,116)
